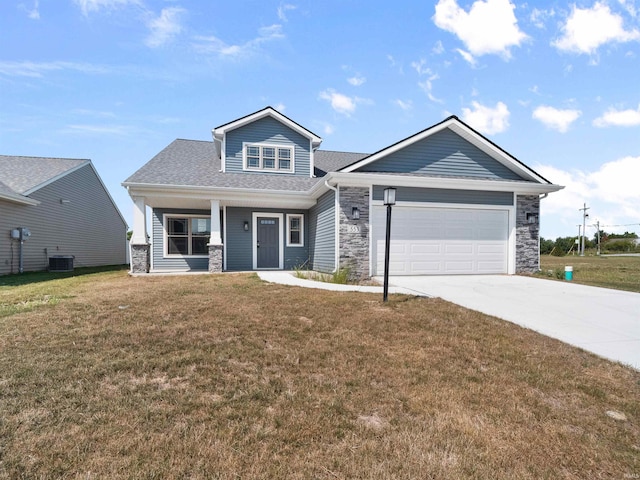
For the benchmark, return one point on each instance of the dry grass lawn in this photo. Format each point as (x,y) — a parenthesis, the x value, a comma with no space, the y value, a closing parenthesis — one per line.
(107,376)
(620,273)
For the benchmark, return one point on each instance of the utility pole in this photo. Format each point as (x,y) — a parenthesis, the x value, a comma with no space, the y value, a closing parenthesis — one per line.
(578,240)
(598,227)
(584,225)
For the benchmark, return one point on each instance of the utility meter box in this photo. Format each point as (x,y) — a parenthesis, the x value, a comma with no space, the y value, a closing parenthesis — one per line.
(15,234)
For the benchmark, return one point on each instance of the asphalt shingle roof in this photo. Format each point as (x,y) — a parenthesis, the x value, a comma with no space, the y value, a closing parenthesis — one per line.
(24,174)
(195,163)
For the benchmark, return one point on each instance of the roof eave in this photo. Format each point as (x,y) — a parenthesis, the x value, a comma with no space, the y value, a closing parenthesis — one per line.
(369,179)
(19,199)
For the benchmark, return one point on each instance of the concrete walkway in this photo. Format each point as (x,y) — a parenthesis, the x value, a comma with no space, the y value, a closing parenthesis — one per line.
(288,278)
(603,321)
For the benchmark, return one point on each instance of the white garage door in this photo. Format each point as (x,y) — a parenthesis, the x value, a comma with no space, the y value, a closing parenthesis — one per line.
(441,241)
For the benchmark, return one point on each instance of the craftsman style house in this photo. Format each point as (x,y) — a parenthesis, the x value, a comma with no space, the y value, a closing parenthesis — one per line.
(262,195)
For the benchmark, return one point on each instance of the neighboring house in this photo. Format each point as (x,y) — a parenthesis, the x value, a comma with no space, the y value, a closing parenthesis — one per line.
(262,195)
(66,208)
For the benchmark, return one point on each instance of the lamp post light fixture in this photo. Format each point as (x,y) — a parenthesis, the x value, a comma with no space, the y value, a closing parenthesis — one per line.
(389,199)
(355,213)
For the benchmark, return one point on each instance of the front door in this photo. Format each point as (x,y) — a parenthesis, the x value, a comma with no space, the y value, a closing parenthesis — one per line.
(268,242)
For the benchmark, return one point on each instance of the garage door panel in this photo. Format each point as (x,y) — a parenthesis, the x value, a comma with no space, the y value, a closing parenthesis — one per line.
(431,241)
(425,248)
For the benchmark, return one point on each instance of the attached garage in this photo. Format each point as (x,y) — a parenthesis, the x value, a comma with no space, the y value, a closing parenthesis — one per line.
(428,240)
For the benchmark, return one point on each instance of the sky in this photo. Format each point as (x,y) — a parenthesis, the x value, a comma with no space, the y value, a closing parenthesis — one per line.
(554,83)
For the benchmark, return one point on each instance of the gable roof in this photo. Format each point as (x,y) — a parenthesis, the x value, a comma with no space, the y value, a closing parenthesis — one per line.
(472,136)
(220,131)
(21,176)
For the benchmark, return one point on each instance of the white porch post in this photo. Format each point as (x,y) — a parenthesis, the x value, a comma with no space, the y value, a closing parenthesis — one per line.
(139,236)
(216,259)
(139,245)
(216,237)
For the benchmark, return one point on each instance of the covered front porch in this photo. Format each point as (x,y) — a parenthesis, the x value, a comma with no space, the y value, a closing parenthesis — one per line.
(217,235)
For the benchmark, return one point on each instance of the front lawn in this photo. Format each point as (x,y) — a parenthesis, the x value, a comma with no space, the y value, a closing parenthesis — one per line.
(620,273)
(224,376)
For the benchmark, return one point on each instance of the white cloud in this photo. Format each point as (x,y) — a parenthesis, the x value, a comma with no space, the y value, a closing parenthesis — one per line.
(467,57)
(213,45)
(356,81)
(587,29)
(555,118)
(618,118)
(539,17)
(342,103)
(489,27)
(408,105)
(38,69)
(32,13)
(611,193)
(88,6)
(282,11)
(339,102)
(438,48)
(629,6)
(164,27)
(328,129)
(427,84)
(486,119)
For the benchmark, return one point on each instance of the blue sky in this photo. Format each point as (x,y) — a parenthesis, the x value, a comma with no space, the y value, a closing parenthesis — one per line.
(556,84)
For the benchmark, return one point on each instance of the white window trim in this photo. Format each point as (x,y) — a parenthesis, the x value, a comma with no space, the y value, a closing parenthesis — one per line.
(165,232)
(254,238)
(301,217)
(277,168)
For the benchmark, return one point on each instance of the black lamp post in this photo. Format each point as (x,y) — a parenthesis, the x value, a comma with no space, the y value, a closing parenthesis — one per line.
(389,199)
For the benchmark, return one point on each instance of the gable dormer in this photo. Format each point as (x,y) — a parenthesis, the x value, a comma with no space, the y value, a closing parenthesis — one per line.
(266,142)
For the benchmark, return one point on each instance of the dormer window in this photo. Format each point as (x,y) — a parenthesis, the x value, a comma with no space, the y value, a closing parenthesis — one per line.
(268,158)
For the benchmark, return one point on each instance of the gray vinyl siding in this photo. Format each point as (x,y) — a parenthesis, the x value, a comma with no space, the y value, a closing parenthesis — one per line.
(322,233)
(239,248)
(444,153)
(88,226)
(160,262)
(267,130)
(441,195)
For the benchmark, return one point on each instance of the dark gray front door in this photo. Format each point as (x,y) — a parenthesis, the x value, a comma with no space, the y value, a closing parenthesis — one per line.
(268,248)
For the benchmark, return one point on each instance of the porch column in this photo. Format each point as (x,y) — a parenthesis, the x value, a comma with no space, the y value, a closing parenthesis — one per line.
(216,237)
(215,241)
(140,249)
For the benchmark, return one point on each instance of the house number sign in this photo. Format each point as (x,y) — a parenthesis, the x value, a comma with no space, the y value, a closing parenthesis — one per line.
(353,228)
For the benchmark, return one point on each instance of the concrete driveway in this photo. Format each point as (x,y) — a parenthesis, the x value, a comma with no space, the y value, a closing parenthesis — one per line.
(605,322)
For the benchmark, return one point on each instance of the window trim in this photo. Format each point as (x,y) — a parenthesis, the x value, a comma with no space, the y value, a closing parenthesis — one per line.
(165,231)
(289,217)
(261,168)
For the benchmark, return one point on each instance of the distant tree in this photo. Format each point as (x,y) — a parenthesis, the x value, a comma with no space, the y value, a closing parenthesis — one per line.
(623,235)
(546,246)
(564,244)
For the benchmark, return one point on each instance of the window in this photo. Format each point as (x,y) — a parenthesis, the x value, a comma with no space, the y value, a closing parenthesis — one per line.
(188,235)
(295,230)
(270,158)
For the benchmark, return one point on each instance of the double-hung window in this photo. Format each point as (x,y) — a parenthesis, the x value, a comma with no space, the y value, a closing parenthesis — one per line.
(295,230)
(187,235)
(268,158)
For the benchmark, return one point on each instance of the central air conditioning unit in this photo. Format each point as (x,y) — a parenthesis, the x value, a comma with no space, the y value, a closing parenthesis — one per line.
(61,263)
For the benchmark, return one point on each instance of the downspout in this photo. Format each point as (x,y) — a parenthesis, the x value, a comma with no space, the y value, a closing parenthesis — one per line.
(540,197)
(337,242)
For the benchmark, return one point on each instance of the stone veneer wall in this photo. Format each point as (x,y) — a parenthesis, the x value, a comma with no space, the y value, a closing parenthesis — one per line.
(527,234)
(354,234)
(140,258)
(215,258)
